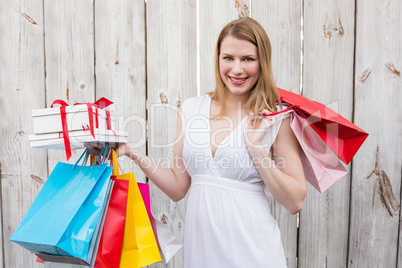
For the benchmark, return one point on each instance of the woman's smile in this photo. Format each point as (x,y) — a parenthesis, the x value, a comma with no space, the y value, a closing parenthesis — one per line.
(237,81)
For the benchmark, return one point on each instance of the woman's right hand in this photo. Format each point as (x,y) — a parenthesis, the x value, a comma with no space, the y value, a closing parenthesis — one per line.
(95,149)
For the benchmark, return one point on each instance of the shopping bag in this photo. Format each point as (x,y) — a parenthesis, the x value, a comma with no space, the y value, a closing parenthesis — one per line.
(321,165)
(168,244)
(111,241)
(69,261)
(64,216)
(74,262)
(341,135)
(139,244)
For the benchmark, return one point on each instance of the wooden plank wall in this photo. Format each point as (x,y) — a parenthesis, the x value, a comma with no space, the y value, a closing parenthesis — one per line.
(171,76)
(327,78)
(148,57)
(22,87)
(376,179)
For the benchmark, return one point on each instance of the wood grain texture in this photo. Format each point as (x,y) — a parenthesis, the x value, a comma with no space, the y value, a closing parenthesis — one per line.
(327,78)
(22,88)
(399,250)
(376,181)
(2,261)
(121,69)
(171,69)
(213,16)
(69,51)
(282,22)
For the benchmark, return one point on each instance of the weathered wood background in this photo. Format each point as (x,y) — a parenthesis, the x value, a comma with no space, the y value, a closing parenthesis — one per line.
(148,57)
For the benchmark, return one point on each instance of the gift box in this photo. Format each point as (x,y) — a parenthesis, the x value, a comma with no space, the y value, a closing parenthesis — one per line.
(78,139)
(77,117)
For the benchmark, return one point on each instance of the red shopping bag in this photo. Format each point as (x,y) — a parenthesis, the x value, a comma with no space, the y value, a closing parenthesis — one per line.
(341,135)
(111,241)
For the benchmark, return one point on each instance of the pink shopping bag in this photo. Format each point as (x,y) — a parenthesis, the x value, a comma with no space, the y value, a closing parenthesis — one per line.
(322,167)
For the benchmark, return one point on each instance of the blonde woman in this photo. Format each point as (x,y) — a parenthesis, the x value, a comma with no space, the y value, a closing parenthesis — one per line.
(227,152)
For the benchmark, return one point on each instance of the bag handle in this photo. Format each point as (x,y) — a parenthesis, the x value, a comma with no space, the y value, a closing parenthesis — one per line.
(114,162)
(101,157)
(85,158)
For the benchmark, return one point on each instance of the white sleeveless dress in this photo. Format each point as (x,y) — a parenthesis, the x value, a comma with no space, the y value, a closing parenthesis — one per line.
(228,219)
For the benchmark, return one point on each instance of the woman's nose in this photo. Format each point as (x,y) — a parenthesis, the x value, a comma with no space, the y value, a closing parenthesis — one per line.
(237,67)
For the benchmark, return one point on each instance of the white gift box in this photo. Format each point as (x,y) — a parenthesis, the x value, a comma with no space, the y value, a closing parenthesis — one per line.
(78,139)
(49,120)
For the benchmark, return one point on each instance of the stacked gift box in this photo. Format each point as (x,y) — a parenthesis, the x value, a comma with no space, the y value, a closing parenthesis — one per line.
(72,127)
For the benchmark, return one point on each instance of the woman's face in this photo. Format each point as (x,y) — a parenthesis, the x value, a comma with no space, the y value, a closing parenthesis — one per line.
(239,66)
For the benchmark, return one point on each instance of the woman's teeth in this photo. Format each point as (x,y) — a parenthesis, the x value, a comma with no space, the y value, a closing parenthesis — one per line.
(237,79)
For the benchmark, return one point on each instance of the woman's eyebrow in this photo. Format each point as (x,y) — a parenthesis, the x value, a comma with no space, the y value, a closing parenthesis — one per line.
(244,56)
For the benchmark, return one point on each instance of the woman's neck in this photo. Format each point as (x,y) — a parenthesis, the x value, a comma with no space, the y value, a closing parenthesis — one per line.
(236,101)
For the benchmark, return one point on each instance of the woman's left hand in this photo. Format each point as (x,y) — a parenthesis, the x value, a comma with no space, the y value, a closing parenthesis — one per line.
(254,135)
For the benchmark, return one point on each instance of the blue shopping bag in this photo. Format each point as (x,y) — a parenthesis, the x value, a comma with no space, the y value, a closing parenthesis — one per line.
(63,217)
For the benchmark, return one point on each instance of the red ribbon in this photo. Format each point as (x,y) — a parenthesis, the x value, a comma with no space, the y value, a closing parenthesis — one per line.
(109,123)
(101,103)
(66,137)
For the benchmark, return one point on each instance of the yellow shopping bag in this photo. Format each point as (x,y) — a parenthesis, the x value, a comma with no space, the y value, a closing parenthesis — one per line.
(139,244)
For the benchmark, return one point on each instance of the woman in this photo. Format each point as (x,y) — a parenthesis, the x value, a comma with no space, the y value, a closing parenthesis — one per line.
(227,150)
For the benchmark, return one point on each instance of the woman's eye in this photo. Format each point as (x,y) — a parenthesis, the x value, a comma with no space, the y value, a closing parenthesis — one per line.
(248,59)
(227,58)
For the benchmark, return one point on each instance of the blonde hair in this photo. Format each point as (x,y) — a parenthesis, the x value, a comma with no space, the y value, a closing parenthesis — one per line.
(264,94)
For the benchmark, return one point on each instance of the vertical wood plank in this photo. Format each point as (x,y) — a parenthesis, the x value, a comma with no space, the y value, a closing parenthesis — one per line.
(121,68)
(376,182)
(21,90)
(2,261)
(214,15)
(281,21)
(69,50)
(399,250)
(171,69)
(327,78)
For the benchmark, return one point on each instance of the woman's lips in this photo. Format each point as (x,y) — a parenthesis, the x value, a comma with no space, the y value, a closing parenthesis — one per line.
(237,80)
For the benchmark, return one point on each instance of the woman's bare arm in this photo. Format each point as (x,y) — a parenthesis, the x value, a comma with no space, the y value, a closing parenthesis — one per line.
(284,178)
